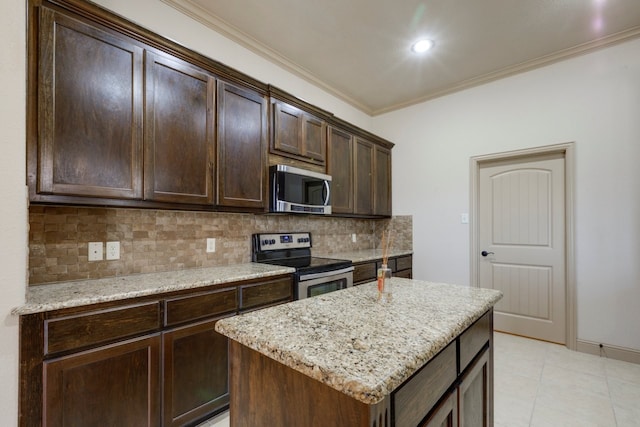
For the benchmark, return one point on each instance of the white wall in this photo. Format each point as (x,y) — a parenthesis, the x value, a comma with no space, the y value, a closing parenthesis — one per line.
(13,208)
(593,100)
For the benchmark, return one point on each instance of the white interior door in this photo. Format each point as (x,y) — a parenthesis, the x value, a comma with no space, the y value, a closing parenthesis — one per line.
(521,211)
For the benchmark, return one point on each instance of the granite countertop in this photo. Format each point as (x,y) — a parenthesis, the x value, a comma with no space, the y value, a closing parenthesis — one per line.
(356,343)
(363,255)
(55,296)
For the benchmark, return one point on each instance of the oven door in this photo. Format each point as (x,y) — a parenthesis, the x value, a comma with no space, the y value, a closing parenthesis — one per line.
(311,285)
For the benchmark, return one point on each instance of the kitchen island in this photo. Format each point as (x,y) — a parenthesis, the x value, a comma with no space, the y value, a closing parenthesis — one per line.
(419,355)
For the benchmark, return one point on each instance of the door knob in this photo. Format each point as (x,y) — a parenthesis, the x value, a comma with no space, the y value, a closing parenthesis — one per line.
(485,253)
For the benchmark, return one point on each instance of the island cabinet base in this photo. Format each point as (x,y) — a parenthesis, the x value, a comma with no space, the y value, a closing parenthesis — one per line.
(455,388)
(267,393)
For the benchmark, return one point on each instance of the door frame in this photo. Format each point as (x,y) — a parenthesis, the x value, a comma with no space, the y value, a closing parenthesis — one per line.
(568,151)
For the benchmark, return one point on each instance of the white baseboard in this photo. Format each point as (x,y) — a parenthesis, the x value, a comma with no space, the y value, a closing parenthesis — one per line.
(609,351)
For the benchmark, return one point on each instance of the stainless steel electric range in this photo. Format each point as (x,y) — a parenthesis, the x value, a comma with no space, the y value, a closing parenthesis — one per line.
(314,275)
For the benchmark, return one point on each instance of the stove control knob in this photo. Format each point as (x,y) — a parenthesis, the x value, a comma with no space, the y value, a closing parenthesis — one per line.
(265,242)
(273,241)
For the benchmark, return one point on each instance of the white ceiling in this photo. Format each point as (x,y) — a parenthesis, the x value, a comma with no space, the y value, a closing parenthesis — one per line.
(359,51)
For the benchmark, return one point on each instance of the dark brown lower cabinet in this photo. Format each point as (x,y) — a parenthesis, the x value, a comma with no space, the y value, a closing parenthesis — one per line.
(473,394)
(114,385)
(468,404)
(365,272)
(149,361)
(195,373)
(446,414)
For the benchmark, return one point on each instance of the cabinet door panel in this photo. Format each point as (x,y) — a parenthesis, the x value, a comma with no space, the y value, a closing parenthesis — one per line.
(179,135)
(287,129)
(89,112)
(315,138)
(474,400)
(116,385)
(382,204)
(446,413)
(415,398)
(196,373)
(242,150)
(340,167)
(363,177)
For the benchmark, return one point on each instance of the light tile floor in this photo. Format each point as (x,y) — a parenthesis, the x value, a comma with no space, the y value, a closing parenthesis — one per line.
(538,384)
(543,384)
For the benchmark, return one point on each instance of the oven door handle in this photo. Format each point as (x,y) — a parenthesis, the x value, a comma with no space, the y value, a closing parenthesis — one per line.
(325,274)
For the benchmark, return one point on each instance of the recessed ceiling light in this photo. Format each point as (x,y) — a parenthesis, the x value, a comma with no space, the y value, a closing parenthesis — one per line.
(422,45)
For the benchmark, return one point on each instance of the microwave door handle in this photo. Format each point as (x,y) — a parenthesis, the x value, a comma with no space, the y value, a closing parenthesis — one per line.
(326,186)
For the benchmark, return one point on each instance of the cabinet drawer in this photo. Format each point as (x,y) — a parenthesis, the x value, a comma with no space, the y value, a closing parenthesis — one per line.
(404,263)
(405,274)
(100,327)
(474,338)
(391,263)
(265,293)
(193,307)
(413,400)
(364,272)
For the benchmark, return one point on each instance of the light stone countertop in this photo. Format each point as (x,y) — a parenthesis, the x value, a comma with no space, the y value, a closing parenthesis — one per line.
(364,255)
(354,342)
(55,296)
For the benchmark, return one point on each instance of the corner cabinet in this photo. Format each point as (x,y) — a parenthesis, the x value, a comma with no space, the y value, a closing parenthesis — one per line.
(361,174)
(152,361)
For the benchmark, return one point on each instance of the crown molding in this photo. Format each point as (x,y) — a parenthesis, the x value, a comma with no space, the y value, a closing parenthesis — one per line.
(206,18)
(522,67)
(220,26)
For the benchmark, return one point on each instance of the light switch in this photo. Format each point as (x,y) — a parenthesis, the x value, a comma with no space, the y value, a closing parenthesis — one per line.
(211,245)
(464,218)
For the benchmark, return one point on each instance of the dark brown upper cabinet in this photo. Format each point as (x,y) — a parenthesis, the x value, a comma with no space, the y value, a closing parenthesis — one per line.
(120,116)
(363,177)
(340,167)
(298,134)
(299,129)
(382,178)
(242,147)
(179,131)
(87,138)
(360,170)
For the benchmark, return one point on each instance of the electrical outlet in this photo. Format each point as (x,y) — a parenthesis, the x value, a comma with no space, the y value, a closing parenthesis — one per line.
(354,239)
(113,250)
(211,245)
(95,251)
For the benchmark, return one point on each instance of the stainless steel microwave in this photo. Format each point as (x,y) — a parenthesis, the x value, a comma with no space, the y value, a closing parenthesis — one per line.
(299,190)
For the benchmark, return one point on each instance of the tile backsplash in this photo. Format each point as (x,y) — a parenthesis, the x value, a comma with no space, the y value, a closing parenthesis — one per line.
(161,240)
